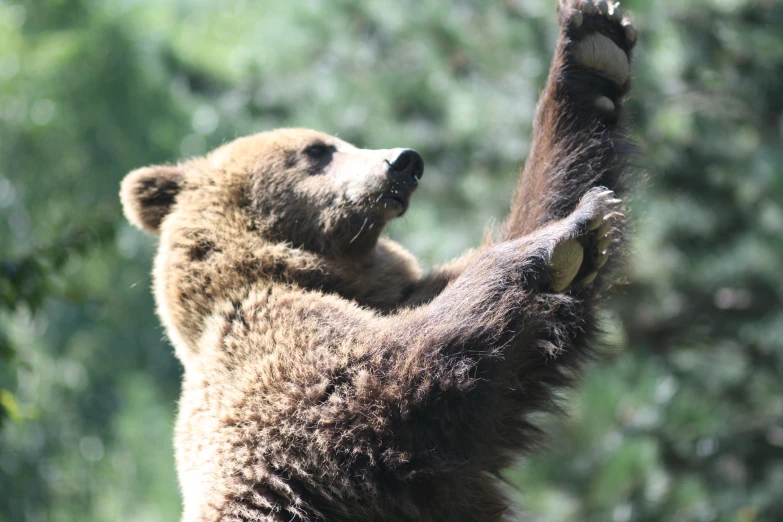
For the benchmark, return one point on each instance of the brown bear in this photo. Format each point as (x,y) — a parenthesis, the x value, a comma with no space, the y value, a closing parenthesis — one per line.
(325,376)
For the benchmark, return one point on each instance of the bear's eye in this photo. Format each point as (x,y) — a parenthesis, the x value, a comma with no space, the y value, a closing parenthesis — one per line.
(319,155)
(318,151)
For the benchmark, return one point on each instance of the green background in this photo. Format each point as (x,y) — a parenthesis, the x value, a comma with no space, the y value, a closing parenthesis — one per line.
(684,422)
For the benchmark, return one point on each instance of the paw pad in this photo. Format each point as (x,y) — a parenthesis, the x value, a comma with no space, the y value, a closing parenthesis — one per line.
(576,260)
(603,37)
(604,105)
(564,264)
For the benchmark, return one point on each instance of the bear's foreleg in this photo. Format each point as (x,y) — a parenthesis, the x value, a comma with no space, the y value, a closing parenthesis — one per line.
(578,138)
(402,408)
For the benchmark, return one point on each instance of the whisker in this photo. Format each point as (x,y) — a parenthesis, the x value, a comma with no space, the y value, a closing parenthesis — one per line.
(359,232)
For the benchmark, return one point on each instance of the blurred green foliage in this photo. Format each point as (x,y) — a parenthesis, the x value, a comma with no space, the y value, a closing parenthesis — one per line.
(683,423)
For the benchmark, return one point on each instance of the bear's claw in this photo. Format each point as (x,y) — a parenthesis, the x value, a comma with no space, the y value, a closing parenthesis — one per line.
(580,255)
(630,32)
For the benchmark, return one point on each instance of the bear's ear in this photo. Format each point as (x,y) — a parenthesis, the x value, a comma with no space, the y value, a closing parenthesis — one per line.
(148,193)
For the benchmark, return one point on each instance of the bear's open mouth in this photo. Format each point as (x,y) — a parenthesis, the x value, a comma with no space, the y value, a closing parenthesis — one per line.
(395,200)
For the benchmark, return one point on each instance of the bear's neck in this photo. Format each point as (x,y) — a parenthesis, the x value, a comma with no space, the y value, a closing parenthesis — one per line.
(204,271)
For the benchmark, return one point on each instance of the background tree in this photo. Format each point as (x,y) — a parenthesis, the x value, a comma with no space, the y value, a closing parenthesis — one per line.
(684,422)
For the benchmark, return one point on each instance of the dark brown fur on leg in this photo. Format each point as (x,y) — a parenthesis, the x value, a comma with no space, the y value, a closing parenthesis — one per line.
(576,146)
(415,410)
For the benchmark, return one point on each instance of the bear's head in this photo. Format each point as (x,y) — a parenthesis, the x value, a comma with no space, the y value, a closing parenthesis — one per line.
(294,186)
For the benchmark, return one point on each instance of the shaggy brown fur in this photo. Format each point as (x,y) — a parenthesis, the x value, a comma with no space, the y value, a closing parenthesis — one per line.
(326,377)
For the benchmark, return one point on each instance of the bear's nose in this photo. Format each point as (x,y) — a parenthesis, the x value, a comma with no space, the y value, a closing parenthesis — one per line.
(408,167)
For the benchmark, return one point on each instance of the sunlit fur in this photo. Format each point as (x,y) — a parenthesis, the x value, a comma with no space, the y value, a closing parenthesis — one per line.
(326,377)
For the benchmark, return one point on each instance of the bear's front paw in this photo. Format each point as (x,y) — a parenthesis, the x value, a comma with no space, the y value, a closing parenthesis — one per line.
(577,258)
(602,37)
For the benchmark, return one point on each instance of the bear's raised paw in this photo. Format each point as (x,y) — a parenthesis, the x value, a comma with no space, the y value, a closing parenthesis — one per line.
(603,37)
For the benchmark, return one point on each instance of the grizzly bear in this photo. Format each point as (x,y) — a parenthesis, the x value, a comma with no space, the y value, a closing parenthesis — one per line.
(325,376)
